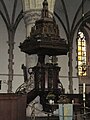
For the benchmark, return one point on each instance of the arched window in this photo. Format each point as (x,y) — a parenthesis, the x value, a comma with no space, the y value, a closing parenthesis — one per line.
(82,66)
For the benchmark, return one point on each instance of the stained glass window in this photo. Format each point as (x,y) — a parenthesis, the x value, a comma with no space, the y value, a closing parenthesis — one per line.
(81,54)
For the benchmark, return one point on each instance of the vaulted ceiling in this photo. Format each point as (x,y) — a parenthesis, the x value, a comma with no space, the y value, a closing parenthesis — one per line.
(71,14)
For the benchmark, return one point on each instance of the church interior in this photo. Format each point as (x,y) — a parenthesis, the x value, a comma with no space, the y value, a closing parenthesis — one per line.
(44,60)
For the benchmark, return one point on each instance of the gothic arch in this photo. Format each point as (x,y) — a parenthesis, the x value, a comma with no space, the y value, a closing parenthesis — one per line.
(11,23)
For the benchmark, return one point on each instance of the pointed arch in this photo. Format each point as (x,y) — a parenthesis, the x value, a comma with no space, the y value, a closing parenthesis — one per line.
(14,9)
(3,17)
(5,10)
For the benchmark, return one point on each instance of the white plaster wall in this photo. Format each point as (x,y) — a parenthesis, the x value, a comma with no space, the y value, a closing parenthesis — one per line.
(3,56)
(19,57)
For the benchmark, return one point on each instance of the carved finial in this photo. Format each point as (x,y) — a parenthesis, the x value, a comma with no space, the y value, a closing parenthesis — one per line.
(45,9)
